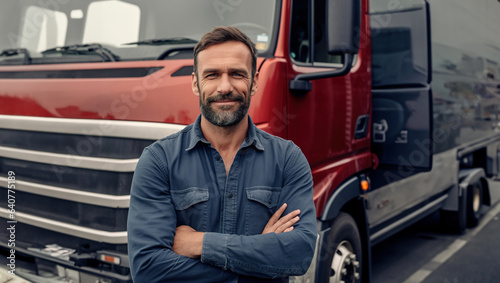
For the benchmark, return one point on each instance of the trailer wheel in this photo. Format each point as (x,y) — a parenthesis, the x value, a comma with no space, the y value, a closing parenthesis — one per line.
(345,252)
(474,203)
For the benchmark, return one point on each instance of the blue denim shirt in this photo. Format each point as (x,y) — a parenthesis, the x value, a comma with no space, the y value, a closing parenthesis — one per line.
(181,180)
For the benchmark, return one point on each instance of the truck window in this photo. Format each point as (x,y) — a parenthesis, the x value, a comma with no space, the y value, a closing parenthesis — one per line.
(42,28)
(85,31)
(304,30)
(400,43)
(123,28)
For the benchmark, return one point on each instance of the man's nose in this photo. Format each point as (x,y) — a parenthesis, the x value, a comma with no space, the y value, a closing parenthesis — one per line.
(225,85)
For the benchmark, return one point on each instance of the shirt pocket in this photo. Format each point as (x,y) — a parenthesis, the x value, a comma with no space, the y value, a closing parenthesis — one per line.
(262,202)
(191,207)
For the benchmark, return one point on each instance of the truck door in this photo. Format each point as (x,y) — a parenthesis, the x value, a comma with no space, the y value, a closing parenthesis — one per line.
(328,114)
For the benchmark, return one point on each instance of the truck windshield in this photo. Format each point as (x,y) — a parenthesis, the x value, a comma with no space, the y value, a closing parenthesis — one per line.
(72,31)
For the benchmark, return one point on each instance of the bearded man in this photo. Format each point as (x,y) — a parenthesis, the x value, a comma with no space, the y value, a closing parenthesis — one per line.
(221,200)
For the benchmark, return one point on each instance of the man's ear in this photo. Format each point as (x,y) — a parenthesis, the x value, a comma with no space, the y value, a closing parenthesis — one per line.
(255,84)
(194,84)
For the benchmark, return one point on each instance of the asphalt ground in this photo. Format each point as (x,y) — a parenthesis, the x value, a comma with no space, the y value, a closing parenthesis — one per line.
(427,253)
(475,257)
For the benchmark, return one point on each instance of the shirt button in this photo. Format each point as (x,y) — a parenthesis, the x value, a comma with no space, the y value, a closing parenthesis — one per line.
(230,195)
(217,158)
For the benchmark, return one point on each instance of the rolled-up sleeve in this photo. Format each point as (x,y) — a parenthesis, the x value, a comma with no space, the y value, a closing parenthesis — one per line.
(272,255)
(151,230)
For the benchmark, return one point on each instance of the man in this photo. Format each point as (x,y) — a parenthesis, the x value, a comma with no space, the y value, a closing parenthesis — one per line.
(206,203)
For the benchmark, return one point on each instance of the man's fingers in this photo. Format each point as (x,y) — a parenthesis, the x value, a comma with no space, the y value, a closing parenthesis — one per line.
(287,218)
(276,216)
(287,225)
(280,225)
(272,221)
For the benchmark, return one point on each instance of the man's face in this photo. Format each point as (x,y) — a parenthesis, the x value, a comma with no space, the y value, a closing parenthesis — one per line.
(224,83)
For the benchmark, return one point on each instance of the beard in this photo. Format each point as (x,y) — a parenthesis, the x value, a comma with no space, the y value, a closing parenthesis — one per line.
(224,116)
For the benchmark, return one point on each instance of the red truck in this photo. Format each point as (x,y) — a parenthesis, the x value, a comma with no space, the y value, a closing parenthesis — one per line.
(395,103)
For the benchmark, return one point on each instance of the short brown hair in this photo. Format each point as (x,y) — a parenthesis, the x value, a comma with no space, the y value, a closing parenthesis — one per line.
(224,34)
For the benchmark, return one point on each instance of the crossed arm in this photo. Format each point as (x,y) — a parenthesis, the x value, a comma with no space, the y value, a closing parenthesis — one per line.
(189,242)
(160,251)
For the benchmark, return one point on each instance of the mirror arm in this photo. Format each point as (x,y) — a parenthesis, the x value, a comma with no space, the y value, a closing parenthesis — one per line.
(301,83)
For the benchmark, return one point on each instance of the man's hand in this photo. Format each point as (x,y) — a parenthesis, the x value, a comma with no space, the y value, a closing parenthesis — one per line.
(284,224)
(188,242)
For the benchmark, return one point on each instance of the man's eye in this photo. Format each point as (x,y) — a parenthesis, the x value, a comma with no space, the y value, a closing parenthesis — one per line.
(211,76)
(238,75)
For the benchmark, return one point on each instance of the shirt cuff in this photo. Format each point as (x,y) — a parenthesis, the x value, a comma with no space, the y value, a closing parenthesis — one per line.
(214,250)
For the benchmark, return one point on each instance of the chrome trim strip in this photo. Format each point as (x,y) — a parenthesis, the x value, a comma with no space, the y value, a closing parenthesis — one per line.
(69,229)
(408,217)
(114,201)
(90,127)
(96,163)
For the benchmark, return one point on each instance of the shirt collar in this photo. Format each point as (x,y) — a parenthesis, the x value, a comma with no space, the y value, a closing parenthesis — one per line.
(196,136)
(252,138)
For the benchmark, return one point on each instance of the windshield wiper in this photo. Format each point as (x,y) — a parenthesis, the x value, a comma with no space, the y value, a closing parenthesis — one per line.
(84,49)
(164,41)
(15,52)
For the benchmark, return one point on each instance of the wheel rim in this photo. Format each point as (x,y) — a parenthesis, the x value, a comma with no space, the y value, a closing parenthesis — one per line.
(476,199)
(345,266)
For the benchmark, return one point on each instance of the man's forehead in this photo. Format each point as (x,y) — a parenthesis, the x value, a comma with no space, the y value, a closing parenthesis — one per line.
(235,53)
(226,49)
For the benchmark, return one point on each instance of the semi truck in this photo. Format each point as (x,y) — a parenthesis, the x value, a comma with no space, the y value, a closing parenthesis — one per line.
(395,104)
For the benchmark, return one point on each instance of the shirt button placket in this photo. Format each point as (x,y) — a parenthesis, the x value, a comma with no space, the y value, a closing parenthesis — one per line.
(231,201)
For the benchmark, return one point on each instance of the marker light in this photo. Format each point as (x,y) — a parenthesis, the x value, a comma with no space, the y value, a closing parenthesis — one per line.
(109,258)
(365,185)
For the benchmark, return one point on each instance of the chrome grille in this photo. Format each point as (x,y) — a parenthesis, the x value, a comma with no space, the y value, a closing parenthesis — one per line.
(73,176)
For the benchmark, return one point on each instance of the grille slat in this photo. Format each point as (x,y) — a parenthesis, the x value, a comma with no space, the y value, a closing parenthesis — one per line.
(72,144)
(114,201)
(88,180)
(74,161)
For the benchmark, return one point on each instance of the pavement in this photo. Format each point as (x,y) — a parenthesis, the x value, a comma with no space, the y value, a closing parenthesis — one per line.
(475,256)
(5,277)
(426,253)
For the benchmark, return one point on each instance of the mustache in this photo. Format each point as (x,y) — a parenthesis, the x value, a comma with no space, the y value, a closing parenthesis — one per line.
(226,96)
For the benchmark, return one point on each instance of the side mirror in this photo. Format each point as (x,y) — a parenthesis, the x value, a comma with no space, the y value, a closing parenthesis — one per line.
(343,26)
(343,21)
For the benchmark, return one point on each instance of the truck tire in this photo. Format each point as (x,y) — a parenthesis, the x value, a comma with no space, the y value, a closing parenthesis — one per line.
(474,203)
(344,251)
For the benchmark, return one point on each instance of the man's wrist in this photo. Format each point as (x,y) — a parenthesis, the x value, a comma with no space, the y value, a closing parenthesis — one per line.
(197,246)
